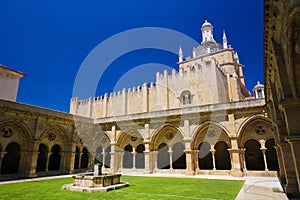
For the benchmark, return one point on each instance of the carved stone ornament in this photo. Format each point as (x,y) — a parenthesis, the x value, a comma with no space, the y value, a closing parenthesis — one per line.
(104,140)
(133,138)
(51,136)
(260,130)
(169,135)
(6,132)
(211,133)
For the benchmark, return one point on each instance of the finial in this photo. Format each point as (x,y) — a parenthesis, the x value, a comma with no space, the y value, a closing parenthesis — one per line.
(205,17)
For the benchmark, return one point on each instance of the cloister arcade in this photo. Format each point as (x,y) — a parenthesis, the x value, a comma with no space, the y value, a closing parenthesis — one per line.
(210,149)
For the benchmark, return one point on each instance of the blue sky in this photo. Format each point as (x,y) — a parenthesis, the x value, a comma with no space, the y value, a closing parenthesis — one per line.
(48,40)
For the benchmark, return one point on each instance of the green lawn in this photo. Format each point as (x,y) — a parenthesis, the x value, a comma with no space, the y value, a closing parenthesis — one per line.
(140,188)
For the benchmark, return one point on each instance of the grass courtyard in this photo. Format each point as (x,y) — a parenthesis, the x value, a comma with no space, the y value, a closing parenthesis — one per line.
(140,188)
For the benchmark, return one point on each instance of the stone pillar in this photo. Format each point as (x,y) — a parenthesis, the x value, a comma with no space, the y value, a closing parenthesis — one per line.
(103,158)
(121,159)
(47,163)
(213,151)
(243,158)
(263,150)
(25,163)
(72,158)
(189,153)
(294,142)
(290,171)
(196,157)
(235,157)
(34,157)
(155,154)
(113,157)
(133,158)
(147,153)
(171,158)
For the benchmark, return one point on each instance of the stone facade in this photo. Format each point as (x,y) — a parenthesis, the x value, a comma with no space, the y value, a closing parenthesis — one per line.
(199,120)
(282,74)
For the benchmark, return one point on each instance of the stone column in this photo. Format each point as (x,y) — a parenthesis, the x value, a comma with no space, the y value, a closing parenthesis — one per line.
(243,156)
(121,159)
(103,158)
(171,158)
(47,162)
(155,154)
(263,150)
(196,153)
(189,154)
(133,158)
(147,153)
(213,151)
(113,157)
(25,163)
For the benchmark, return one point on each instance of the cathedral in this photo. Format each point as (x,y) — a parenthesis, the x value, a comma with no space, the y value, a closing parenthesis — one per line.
(198,119)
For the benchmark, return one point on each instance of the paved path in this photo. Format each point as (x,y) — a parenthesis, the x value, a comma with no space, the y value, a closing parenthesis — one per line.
(257,188)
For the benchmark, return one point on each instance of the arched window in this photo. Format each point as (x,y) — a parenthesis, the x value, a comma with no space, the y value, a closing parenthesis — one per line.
(128,157)
(222,156)
(178,156)
(42,158)
(140,157)
(205,157)
(11,160)
(99,156)
(54,159)
(254,156)
(107,157)
(163,157)
(84,158)
(186,97)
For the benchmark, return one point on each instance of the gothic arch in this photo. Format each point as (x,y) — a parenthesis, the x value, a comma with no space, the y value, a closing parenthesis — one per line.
(55,134)
(129,136)
(8,130)
(168,134)
(210,132)
(257,127)
(101,139)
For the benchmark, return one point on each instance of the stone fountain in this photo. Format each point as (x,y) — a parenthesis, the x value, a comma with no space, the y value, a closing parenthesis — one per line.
(96,182)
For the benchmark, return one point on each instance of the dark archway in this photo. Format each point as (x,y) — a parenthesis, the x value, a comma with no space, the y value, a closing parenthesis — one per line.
(54,159)
(163,157)
(41,165)
(11,160)
(76,161)
(253,155)
(107,157)
(222,156)
(178,157)
(128,157)
(99,156)
(205,157)
(140,157)
(271,155)
(84,158)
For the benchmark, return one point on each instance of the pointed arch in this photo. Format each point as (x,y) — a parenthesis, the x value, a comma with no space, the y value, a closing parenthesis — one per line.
(210,132)
(167,133)
(129,136)
(100,139)
(59,132)
(256,127)
(24,138)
